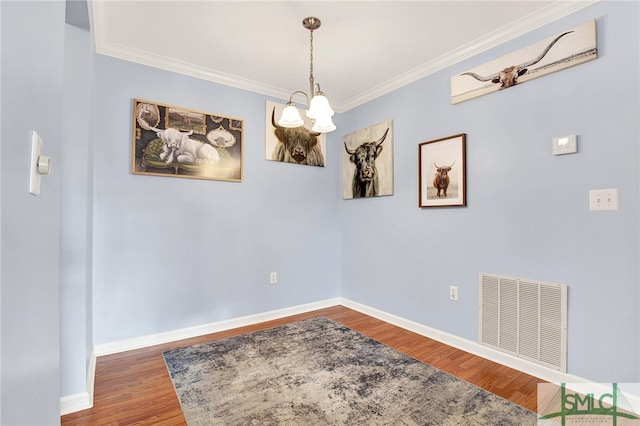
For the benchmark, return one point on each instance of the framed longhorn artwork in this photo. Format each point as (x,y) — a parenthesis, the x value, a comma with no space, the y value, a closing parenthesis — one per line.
(297,145)
(367,162)
(442,178)
(563,50)
(180,142)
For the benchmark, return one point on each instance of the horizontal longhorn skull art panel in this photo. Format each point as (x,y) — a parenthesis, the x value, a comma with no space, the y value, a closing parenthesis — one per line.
(297,145)
(563,50)
(181,142)
(367,162)
(442,174)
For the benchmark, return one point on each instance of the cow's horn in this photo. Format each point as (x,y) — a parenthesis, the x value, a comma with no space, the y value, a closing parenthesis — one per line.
(382,138)
(273,119)
(481,78)
(539,58)
(350,152)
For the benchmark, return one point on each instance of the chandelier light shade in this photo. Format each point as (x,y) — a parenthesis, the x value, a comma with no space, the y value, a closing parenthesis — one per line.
(318,109)
(290,117)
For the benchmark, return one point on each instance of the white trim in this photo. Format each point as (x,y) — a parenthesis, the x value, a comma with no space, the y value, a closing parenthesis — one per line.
(522,365)
(551,13)
(542,17)
(76,402)
(472,347)
(186,333)
(91,376)
(83,400)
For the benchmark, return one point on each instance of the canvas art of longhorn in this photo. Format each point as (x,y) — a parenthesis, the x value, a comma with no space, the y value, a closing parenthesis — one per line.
(566,49)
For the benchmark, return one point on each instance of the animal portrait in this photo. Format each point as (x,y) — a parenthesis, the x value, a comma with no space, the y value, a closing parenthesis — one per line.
(566,49)
(441,172)
(180,142)
(179,147)
(297,145)
(441,180)
(368,162)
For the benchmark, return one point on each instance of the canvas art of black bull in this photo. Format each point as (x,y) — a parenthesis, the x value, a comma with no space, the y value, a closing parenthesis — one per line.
(296,145)
(365,176)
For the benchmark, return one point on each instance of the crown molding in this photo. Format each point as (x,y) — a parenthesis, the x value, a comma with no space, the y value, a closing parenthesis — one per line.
(520,27)
(553,12)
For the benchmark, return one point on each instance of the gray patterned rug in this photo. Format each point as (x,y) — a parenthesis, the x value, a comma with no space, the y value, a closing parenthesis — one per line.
(319,372)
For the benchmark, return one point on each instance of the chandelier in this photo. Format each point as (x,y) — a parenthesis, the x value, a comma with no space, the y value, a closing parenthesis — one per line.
(318,109)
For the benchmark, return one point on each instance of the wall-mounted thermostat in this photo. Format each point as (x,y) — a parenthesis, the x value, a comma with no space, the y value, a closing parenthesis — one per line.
(565,145)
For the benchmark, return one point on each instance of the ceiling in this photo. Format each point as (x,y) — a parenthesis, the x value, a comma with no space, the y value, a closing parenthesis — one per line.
(363,49)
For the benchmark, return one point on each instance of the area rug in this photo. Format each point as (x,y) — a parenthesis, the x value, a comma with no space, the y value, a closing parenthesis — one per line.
(319,372)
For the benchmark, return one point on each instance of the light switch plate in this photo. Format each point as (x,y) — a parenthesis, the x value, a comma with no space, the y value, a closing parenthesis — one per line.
(603,199)
(36,152)
(565,145)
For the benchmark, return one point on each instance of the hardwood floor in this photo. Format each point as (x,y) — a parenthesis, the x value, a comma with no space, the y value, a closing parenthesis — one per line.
(134,387)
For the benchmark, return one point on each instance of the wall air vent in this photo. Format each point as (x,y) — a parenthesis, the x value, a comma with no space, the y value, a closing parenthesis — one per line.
(524,318)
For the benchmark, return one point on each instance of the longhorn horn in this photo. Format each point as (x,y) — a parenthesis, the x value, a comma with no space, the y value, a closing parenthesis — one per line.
(481,78)
(544,52)
(496,76)
(379,142)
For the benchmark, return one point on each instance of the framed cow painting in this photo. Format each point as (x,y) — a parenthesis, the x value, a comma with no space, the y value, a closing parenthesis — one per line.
(293,145)
(367,162)
(442,172)
(181,142)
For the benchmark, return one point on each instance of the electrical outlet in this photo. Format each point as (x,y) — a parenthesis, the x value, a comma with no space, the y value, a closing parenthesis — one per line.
(453,292)
(273,278)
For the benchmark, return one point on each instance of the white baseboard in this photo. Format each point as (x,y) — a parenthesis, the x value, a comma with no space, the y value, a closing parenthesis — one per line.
(472,347)
(544,373)
(84,400)
(76,402)
(186,333)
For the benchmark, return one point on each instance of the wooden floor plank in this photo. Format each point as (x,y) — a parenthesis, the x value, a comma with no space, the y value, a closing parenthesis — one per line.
(134,387)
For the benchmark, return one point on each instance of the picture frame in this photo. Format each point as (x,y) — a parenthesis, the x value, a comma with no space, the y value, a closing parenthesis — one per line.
(367,162)
(175,141)
(442,178)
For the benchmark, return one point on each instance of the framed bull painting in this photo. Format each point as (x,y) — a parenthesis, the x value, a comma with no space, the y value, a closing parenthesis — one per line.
(293,145)
(181,142)
(560,51)
(367,162)
(442,172)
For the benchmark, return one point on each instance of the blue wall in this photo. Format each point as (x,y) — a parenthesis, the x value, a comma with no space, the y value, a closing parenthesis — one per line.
(164,254)
(32,84)
(173,253)
(528,212)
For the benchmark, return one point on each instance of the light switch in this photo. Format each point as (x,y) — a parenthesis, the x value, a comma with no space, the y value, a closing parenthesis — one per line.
(603,199)
(40,164)
(565,145)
